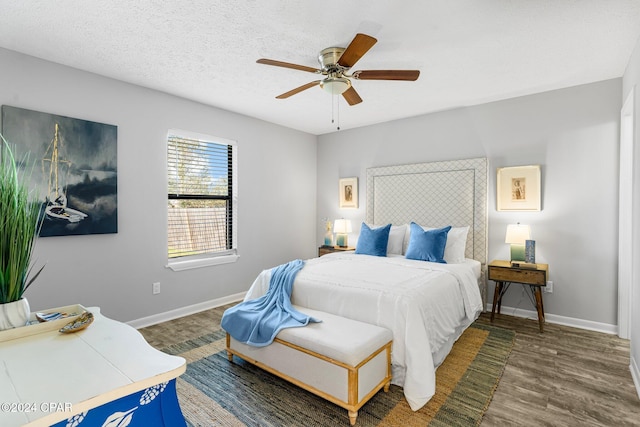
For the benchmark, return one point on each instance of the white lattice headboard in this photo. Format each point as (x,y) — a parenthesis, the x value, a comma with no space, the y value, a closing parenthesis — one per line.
(433,194)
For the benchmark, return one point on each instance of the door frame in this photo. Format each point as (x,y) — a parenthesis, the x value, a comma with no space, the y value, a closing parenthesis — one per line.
(625,215)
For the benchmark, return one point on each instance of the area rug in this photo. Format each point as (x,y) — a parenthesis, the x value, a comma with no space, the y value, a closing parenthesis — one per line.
(216,392)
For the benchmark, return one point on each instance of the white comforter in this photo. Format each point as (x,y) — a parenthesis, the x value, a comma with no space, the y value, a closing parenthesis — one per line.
(424,304)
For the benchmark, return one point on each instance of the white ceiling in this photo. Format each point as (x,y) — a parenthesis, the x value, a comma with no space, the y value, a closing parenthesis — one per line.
(468,51)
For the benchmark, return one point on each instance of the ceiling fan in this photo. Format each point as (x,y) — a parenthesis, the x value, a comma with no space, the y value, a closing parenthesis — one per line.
(335,62)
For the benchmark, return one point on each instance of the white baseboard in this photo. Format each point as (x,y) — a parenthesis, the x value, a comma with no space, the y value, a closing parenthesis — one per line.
(635,374)
(184,311)
(560,320)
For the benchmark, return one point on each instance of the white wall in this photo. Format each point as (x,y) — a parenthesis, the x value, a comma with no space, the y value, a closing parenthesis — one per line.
(571,133)
(631,79)
(277,181)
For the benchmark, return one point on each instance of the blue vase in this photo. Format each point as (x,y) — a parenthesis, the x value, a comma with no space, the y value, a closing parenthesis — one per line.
(530,251)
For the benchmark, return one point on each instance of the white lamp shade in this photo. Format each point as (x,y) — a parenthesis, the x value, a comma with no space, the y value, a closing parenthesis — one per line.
(517,234)
(342,226)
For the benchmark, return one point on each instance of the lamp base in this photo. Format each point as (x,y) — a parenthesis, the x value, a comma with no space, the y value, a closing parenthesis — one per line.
(517,252)
(341,240)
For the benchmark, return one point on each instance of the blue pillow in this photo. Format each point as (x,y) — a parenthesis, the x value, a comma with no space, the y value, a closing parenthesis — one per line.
(427,245)
(373,241)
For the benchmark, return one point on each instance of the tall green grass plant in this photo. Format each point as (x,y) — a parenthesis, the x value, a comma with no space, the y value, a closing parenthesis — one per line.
(19,225)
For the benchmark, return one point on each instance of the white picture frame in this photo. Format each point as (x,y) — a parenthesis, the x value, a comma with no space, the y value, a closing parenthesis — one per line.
(349,193)
(518,188)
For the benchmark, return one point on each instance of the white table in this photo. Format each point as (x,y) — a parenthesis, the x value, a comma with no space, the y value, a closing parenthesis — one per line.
(51,377)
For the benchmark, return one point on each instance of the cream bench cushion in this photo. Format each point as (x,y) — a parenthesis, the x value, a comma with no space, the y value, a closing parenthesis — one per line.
(342,360)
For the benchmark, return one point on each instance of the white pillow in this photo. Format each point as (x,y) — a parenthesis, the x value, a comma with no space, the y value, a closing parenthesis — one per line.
(396,238)
(454,251)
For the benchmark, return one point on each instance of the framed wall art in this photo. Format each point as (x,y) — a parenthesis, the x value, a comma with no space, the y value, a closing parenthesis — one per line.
(349,193)
(74,169)
(518,188)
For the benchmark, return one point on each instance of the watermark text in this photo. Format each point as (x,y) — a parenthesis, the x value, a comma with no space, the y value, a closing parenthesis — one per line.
(46,407)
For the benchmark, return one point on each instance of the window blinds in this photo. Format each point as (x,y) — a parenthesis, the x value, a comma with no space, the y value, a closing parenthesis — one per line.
(200,189)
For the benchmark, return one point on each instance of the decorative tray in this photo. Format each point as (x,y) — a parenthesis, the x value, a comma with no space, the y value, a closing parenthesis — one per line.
(59,317)
(78,324)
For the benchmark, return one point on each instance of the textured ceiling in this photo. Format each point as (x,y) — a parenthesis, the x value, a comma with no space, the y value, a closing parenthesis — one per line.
(468,51)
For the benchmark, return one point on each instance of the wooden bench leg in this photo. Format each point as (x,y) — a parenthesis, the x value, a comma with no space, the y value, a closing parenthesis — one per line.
(229,354)
(352,417)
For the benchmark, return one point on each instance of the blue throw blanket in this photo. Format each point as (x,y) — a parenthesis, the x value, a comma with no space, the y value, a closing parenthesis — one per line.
(257,322)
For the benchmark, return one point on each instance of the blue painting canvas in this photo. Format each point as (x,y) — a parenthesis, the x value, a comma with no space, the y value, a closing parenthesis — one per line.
(74,169)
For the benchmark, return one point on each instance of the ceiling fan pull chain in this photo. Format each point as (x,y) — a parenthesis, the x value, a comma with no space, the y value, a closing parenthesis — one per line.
(338,110)
(332,102)
(335,99)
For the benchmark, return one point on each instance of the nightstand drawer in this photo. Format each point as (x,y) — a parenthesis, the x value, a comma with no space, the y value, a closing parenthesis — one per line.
(323,250)
(531,277)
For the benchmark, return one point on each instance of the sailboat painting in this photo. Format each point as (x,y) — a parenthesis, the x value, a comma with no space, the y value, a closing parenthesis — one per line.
(74,169)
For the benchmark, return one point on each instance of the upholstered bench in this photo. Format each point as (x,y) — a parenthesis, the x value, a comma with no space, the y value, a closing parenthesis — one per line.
(341,360)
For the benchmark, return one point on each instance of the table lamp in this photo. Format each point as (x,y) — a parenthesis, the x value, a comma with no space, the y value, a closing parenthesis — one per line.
(341,227)
(517,234)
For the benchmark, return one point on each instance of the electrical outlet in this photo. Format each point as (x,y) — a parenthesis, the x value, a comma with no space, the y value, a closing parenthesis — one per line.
(156,288)
(549,288)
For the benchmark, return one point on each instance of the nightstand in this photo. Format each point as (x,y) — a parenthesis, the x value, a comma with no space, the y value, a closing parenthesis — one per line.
(504,275)
(323,250)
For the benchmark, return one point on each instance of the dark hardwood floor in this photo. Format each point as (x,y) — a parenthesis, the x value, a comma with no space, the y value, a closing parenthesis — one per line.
(562,377)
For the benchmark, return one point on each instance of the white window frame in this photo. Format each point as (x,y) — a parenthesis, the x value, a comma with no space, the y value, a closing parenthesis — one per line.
(217,258)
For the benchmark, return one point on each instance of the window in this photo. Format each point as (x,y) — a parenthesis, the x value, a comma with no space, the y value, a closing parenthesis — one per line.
(201,209)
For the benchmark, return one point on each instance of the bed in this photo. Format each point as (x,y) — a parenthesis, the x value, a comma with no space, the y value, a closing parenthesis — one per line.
(426,305)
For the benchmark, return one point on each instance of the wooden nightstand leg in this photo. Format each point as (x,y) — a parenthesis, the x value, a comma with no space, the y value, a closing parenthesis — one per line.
(540,307)
(496,297)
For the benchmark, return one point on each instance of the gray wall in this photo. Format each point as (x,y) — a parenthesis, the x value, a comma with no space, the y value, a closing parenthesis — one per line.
(571,133)
(630,79)
(276,203)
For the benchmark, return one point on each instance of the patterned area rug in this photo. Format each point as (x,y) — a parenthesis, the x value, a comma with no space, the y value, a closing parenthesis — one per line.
(215,392)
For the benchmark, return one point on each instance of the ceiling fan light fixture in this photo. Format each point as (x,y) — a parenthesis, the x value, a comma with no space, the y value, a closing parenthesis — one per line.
(335,85)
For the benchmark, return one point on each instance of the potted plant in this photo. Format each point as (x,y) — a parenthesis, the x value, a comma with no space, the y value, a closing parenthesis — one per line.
(19,229)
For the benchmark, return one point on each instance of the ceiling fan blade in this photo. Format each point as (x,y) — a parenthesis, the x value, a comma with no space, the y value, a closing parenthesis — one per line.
(298,89)
(351,96)
(410,75)
(360,45)
(275,63)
